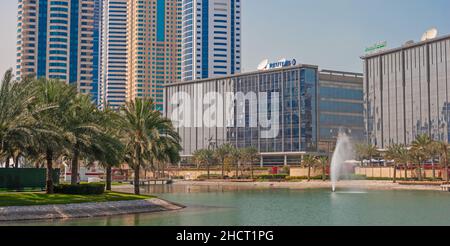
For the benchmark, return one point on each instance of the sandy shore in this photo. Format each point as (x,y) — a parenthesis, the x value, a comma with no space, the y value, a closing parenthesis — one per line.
(83,210)
(354,184)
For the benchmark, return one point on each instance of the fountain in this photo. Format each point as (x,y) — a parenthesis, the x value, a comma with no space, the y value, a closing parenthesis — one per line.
(343,152)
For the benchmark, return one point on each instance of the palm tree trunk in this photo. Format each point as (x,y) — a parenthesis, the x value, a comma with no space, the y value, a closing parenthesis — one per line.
(420,171)
(16,161)
(108,177)
(207,170)
(136,180)
(309,173)
(446,170)
(406,171)
(223,169)
(136,172)
(251,170)
(49,157)
(433,171)
(7,162)
(323,172)
(395,173)
(74,176)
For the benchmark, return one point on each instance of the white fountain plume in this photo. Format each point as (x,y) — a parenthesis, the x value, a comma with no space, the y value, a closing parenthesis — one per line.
(343,152)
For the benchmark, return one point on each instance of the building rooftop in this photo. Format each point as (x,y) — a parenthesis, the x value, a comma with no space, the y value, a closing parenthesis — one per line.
(324,71)
(406,46)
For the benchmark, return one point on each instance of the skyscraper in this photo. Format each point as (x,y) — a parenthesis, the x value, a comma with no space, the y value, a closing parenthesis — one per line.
(211,38)
(114,53)
(154,47)
(60,39)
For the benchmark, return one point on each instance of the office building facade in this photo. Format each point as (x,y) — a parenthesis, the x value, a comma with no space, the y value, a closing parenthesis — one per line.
(114,53)
(60,40)
(276,111)
(154,47)
(341,106)
(407,92)
(211,38)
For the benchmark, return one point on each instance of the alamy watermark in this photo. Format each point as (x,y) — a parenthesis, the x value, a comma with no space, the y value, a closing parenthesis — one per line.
(227,110)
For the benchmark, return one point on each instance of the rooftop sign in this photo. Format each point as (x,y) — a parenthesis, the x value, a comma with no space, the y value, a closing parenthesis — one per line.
(376,47)
(266,65)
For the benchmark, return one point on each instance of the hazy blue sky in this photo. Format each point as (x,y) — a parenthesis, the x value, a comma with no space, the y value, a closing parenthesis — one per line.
(329,33)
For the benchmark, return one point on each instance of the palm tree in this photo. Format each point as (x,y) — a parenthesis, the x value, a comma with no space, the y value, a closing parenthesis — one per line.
(204,157)
(420,149)
(366,151)
(17,117)
(249,156)
(323,160)
(221,154)
(399,154)
(108,150)
(309,161)
(143,126)
(82,124)
(443,149)
(235,158)
(53,142)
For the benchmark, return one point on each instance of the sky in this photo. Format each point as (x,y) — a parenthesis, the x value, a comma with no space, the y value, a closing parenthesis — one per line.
(330,33)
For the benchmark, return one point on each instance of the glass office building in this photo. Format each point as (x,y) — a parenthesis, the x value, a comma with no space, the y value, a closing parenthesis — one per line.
(407,92)
(341,106)
(287,97)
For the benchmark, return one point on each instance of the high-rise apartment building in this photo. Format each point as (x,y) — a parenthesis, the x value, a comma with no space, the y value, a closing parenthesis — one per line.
(60,39)
(154,47)
(114,53)
(211,38)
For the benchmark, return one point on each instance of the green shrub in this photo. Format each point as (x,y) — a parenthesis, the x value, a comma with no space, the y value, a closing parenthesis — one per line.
(290,178)
(272,177)
(80,189)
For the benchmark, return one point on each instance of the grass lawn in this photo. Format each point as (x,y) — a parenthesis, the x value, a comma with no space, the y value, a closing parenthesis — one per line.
(35,198)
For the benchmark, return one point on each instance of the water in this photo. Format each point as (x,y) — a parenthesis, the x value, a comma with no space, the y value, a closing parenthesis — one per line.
(343,152)
(231,206)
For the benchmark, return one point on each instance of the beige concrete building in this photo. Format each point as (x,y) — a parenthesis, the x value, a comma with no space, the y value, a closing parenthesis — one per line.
(154,47)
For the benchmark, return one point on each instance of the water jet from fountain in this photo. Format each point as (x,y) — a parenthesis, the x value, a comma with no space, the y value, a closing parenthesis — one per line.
(343,152)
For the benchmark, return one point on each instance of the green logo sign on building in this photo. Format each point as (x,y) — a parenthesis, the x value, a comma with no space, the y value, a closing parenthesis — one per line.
(376,47)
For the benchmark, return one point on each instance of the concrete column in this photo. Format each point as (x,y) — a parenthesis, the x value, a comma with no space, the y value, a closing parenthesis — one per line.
(261,161)
(285,160)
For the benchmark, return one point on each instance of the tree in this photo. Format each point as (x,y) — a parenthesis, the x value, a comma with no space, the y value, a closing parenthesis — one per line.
(420,149)
(249,156)
(323,161)
(399,154)
(443,149)
(221,154)
(143,127)
(204,157)
(235,158)
(82,125)
(366,151)
(54,141)
(309,161)
(108,150)
(17,118)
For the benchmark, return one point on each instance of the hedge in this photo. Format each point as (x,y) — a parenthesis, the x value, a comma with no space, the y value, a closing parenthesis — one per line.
(80,189)
(273,176)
